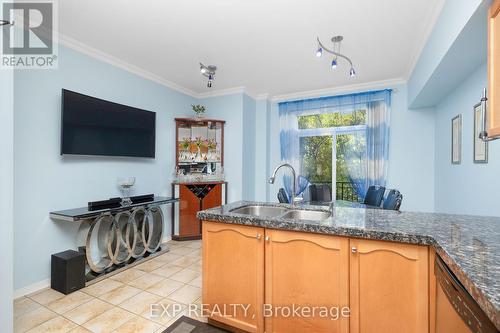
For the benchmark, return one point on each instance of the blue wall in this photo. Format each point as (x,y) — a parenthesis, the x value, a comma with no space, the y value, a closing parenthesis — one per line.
(262,149)
(411,153)
(453,18)
(7,198)
(467,188)
(249,142)
(230,109)
(45,181)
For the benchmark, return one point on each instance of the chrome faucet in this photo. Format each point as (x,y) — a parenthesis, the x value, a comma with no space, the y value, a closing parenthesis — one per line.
(294,185)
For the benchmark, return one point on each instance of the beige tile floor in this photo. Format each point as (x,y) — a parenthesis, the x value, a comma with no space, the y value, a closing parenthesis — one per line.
(120,303)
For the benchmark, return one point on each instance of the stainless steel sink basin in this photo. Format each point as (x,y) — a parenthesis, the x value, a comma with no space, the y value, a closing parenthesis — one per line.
(260,211)
(312,215)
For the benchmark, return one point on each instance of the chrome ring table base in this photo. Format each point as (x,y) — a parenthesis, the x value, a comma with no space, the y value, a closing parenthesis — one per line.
(116,240)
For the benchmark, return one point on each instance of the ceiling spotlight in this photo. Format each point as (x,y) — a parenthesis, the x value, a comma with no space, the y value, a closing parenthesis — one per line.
(336,40)
(334,63)
(209,72)
(319,52)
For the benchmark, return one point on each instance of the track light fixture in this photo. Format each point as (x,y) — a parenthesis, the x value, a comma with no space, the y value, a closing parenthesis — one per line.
(336,40)
(208,72)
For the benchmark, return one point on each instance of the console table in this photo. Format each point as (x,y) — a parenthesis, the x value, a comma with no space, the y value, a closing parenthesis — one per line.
(114,237)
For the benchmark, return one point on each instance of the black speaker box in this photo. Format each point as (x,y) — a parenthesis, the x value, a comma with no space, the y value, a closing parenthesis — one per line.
(67,271)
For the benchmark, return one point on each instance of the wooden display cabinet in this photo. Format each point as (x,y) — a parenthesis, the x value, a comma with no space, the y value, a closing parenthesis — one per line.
(199,157)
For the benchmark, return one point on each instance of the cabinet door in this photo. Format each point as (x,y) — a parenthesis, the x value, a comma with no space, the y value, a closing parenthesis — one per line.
(389,288)
(213,197)
(189,205)
(233,273)
(494,69)
(306,270)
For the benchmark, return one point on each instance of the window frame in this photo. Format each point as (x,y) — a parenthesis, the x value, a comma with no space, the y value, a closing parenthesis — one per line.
(328,131)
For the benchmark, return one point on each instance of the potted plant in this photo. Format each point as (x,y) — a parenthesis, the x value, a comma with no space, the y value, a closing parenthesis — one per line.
(199,110)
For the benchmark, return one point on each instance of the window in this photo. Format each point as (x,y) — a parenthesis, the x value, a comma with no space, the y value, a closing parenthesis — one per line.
(329,144)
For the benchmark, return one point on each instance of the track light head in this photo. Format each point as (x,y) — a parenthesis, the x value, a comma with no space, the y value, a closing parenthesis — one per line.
(319,52)
(334,63)
(352,72)
(208,72)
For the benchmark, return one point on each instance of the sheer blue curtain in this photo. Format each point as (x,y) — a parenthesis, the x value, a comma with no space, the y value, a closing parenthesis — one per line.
(289,140)
(367,160)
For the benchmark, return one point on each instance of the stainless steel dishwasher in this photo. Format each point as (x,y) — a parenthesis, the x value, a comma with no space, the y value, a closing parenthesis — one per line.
(456,310)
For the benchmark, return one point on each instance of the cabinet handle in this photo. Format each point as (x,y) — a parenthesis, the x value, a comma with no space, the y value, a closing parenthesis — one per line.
(258,236)
(268,238)
(354,249)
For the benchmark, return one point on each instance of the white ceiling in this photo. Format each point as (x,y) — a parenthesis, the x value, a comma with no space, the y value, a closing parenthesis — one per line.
(266,46)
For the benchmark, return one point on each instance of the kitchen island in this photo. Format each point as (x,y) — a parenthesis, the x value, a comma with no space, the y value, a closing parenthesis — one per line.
(468,245)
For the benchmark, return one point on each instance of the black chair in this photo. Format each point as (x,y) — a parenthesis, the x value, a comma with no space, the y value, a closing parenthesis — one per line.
(393,200)
(374,195)
(320,193)
(282,197)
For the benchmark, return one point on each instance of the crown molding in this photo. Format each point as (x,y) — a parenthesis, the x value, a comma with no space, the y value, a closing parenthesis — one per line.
(222,92)
(105,57)
(262,97)
(431,20)
(339,90)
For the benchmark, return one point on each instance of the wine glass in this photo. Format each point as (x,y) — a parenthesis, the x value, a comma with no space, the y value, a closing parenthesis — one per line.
(125,183)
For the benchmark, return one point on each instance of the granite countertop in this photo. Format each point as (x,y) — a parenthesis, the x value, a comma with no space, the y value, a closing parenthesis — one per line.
(469,245)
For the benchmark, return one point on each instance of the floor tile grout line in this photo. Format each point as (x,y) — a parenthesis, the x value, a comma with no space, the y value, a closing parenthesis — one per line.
(182,284)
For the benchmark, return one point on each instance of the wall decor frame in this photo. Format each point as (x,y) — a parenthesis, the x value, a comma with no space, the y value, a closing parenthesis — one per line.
(456,140)
(480,147)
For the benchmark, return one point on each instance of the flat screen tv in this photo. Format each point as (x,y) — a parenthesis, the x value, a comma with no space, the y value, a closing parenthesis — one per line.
(92,126)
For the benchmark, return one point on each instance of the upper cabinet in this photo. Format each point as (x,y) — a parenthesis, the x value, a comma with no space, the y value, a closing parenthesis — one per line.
(494,69)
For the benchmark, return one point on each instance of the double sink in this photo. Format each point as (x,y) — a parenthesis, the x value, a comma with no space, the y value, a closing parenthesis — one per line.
(282,213)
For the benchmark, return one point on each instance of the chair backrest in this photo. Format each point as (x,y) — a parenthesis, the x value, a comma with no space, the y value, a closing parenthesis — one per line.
(282,197)
(374,195)
(320,192)
(393,200)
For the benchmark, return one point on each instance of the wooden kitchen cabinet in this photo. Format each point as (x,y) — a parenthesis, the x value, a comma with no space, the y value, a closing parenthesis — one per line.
(306,269)
(386,285)
(233,273)
(494,69)
(389,287)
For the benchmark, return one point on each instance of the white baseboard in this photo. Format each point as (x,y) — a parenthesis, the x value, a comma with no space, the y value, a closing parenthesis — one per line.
(31,288)
(18,293)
